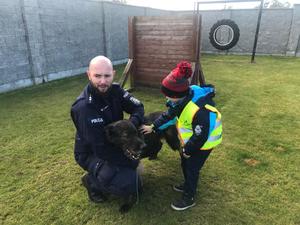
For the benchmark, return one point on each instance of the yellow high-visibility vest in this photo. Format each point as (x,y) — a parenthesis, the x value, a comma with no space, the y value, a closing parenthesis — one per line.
(185,129)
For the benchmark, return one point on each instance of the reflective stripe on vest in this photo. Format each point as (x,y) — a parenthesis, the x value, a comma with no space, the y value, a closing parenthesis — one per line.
(185,129)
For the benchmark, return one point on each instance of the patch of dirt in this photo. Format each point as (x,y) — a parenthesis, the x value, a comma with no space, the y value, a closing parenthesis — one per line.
(251,162)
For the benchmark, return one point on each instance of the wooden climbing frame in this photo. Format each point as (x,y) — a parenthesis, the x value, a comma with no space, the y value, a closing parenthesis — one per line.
(157,44)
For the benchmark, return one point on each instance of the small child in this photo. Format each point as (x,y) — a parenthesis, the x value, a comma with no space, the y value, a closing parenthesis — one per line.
(198,123)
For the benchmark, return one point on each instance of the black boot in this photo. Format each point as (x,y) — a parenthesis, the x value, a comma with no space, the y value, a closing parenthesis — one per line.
(94,196)
(184,203)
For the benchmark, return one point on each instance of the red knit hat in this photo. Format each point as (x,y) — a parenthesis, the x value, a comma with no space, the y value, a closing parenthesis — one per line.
(176,84)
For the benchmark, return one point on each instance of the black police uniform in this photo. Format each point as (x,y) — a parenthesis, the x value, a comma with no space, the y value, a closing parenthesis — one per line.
(109,170)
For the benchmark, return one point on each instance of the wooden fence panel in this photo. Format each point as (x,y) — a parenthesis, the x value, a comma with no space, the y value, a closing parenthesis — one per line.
(157,44)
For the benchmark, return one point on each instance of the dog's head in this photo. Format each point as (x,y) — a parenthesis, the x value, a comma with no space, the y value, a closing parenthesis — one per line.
(124,135)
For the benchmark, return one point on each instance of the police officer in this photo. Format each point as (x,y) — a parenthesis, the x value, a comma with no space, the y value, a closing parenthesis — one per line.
(198,123)
(101,103)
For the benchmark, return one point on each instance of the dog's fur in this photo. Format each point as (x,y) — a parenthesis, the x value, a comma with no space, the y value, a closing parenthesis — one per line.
(137,146)
(124,135)
(154,140)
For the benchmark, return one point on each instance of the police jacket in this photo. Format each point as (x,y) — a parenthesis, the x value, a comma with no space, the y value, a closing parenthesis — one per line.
(201,120)
(91,112)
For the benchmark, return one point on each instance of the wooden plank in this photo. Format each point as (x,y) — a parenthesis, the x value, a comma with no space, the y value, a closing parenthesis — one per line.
(155,62)
(125,73)
(158,64)
(131,37)
(162,67)
(194,77)
(144,44)
(146,76)
(163,38)
(158,32)
(201,73)
(131,47)
(164,43)
(166,27)
(172,23)
(194,38)
(153,70)
(166,57)
(163,51)
(164,18)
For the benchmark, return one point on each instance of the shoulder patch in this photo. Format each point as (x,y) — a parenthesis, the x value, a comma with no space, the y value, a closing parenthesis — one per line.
(80,98)
(125,94)
(134,100)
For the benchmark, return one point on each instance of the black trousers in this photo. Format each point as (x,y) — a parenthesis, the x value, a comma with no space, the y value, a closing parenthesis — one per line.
(191,169)
(120,181)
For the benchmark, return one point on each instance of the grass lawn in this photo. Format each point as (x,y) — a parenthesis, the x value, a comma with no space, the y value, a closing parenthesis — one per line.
(252,178)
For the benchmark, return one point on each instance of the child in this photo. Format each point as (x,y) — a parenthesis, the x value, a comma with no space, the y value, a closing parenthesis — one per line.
(198,123)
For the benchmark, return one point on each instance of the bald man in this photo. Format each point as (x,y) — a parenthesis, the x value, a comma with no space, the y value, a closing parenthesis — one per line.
(101,103)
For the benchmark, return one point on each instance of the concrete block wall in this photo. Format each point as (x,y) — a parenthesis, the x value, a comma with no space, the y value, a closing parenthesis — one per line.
(42,40)
(72,32)
(15,69)
(293,47)
(116,27)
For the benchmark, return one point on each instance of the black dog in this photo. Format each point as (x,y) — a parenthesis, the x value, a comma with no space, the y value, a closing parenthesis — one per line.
(135,145)
(124,135)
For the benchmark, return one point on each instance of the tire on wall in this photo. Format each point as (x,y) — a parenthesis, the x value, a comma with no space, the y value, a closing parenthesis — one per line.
(233,29)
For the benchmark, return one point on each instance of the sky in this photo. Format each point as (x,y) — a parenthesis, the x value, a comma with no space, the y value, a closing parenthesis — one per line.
(189,4)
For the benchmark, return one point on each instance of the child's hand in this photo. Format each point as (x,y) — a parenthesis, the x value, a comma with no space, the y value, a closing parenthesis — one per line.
(146,129)
(184,155)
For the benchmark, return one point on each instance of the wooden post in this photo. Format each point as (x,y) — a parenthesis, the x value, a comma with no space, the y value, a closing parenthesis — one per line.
(126,73)
(198,41)
(195,51)
(131,48)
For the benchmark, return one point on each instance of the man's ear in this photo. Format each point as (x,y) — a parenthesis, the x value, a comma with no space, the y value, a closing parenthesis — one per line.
(88,74)
(114,73)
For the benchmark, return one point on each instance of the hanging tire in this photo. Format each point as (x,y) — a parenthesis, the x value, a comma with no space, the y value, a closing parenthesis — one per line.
(234,34)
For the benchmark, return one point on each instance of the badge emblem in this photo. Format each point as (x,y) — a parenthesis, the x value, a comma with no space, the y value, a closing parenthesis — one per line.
(198,130)
(135,101)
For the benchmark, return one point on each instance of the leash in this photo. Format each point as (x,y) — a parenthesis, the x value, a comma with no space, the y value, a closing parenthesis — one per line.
(137,187)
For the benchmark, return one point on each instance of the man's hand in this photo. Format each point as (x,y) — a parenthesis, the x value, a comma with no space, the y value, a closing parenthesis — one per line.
(146,129)
(184,155)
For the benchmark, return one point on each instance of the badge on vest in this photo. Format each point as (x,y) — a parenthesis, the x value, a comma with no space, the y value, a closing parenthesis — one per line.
(134,101)
(97,120)
(198,130)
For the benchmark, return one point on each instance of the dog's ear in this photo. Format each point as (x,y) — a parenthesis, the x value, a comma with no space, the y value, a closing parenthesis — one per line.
(109,131)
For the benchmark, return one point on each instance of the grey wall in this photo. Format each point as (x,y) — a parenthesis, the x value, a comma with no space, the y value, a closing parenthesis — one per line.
(42,40)
(14,62)
(274,35)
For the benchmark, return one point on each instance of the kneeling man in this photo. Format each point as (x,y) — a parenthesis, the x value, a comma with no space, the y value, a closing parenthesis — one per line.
(101,103)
